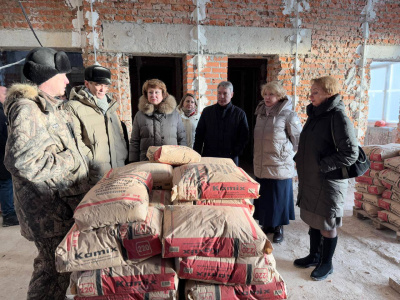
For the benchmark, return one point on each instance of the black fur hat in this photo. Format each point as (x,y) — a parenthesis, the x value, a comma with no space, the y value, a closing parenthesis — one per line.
(41,64)
(98,74)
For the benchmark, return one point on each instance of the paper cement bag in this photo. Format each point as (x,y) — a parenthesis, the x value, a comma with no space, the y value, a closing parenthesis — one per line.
(246,203)
(212,231)
(390,205)
(381,152)
(160,198)
(231,271)
(176,155)
(276,289)
(370,189)
(112,245)
(212,181)
(389,217)
(161,173)
(152,275)
(120,196)
(163,295)
(218,161)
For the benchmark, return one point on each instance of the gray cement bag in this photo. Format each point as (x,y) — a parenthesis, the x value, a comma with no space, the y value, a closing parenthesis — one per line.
(212,231)
(120,196)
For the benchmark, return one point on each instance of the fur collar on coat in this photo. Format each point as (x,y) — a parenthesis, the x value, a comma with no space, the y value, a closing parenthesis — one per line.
(25,91)
(167,106)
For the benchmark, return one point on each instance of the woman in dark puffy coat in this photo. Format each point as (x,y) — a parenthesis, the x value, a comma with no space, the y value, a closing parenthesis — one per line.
(276,136)
(156,123)
(319,166)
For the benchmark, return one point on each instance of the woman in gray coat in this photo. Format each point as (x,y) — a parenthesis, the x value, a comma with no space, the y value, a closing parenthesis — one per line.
(276,136)
(156,123)
(319,162)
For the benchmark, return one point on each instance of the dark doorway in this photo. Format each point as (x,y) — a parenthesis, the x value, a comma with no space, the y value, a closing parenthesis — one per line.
(247,76)
(167,69)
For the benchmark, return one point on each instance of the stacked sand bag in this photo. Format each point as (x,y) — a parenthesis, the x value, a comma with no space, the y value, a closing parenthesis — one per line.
(370,187)
(217,241)
(113,250)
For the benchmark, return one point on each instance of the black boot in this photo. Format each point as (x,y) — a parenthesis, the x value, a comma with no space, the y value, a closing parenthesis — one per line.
(313,258)
(325,267)
(278,234)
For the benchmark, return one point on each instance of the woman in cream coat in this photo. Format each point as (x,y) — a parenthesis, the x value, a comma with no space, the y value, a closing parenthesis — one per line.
(188,108)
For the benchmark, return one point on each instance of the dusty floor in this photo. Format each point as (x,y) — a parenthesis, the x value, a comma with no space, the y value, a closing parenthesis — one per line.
(364,260)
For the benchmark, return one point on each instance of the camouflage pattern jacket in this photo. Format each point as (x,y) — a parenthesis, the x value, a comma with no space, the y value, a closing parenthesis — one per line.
(50,175)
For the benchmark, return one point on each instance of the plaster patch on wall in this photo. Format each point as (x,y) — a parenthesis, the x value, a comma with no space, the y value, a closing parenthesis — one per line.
(368,10)
(200,13)
(350,80)
(199,61)
(92,20)
(198,34)
(77,39)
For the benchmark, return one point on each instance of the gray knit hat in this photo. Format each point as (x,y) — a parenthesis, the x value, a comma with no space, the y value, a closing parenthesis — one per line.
(41,64)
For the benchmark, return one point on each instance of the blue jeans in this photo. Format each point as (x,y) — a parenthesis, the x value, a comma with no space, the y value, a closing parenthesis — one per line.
(6,197)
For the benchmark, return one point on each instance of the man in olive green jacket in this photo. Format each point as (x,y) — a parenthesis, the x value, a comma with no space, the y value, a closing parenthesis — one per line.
(96,123)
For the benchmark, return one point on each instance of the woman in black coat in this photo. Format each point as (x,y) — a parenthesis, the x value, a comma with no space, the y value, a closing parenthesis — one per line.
(319,162)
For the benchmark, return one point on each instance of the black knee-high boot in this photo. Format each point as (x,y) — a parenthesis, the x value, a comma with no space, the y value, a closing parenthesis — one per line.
(313,258)
(325,267)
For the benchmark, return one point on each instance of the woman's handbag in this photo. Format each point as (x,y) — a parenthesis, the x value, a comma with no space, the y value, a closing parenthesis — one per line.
(359,167)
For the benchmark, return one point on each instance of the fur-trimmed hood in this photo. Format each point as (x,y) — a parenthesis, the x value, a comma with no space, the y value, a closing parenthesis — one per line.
(20,91)
(167,105)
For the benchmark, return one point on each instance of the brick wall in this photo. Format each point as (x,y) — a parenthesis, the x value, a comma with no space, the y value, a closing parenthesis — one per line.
(336,35)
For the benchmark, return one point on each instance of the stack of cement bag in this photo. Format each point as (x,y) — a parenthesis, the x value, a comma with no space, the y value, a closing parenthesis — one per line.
(113,250)
(370,187)
(390,201)
(219,248)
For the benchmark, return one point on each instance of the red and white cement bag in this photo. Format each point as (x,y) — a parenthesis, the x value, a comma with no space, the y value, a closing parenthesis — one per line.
(390,205)
(390,178)
(218,161)
(218,231)
(393,163)
(358,203)
(176,155)
(231,271)
(389,217)
(365,197)
(246,203)
(119,197)
(141,240)
(110,246)
(372,173)
(370,209)
(276,289)
(370,189)
(89,250)
(212,181)
(150,152)
(163,295)
(369,180)
(381,152)
(153,275)
(377,165)
(161,173)
(391,195)
(160,198)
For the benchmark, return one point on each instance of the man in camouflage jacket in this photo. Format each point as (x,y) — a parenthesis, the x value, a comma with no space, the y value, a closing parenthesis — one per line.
(49,172)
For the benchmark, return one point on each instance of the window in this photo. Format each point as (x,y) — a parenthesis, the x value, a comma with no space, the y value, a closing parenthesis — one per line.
(384,92)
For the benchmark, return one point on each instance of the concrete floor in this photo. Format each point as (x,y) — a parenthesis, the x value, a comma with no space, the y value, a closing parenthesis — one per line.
(364,260)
